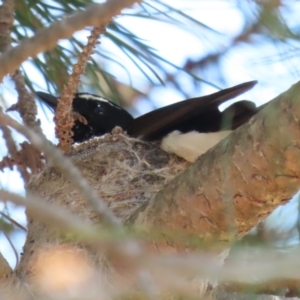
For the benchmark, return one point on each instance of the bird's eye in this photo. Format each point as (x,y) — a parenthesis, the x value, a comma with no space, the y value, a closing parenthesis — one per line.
(99,108)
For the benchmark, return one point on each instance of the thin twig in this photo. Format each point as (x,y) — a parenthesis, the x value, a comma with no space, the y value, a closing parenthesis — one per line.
(17,224)
(12,246)
(26,157)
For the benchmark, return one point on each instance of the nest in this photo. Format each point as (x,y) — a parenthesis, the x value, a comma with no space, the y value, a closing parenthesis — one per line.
(124,171)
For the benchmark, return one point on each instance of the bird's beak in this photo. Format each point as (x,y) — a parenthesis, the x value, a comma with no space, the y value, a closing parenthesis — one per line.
(48,99)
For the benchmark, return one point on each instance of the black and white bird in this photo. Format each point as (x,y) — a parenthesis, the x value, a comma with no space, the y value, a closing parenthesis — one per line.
(187,128)
(101,115)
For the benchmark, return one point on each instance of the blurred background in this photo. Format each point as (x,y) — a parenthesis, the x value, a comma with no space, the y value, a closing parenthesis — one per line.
(155,54)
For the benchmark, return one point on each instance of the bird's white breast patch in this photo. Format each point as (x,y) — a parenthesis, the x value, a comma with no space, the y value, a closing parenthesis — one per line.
(192,144)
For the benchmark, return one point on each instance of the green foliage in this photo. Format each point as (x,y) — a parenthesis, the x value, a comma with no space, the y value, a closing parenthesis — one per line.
(55,65)
(264,18)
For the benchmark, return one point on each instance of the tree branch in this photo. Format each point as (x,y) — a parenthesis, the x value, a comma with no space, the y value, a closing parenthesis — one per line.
(46,38)
(236,184)
(64,119)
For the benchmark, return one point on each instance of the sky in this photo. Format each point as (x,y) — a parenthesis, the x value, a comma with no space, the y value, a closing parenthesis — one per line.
(176,44)
(242,64)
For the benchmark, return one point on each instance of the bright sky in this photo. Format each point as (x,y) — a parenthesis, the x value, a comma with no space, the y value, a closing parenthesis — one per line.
(175,44)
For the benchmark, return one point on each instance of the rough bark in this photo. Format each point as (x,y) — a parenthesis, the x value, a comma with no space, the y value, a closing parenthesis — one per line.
(236,184)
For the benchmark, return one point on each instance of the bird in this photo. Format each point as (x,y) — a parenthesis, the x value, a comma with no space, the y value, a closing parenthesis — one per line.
(187,128)
(101,115)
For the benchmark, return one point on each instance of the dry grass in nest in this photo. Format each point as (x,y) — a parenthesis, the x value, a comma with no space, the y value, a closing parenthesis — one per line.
(124,171)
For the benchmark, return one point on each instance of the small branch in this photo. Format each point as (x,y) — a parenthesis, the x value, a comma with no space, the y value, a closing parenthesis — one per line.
(26,157)
(56,157)
(14,222)
(26,105)
(6,23)
(13,152)
(12,247)
(63,115)
(45,39)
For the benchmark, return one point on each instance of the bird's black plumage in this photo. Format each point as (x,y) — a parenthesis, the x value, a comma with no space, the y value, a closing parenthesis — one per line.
(101,115)
(197,114)
(201,114)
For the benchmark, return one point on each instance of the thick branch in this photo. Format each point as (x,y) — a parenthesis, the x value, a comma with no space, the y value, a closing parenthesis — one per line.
(239,182)
(46,38)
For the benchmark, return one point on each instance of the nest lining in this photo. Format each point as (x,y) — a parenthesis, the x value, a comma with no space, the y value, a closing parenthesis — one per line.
(124,171)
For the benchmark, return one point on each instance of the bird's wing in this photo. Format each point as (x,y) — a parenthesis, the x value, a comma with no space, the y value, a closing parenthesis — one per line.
(201,114)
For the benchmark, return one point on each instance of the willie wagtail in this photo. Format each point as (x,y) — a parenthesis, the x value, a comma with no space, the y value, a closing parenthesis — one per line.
(187,128)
